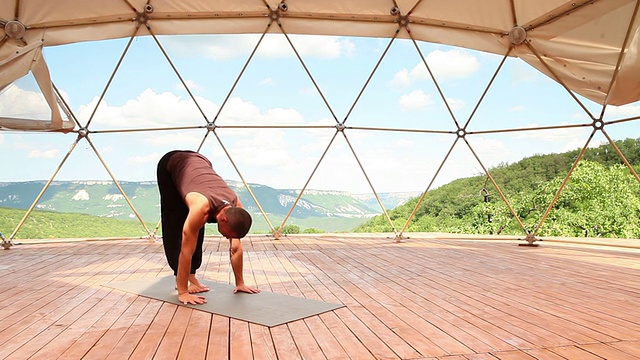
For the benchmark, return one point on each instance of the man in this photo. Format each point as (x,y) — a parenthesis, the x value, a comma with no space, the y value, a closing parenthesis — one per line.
(192,194)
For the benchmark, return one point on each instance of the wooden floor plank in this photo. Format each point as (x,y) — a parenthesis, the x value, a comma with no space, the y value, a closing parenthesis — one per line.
(169,347)
(133,335)
(50,309)
(103,315)
(239,340)
(148,345)
(630,347)
(305,341)
(285,345)
(513,355)
(574,352)
(480,356)
(443,333)
(422,298)
(544,354)
(218,347)
(196,338)
(262,343)
(357,299)
(348,341)
(114,334)
(606,351)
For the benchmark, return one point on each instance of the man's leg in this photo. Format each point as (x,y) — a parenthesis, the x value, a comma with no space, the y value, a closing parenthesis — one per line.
(173,213)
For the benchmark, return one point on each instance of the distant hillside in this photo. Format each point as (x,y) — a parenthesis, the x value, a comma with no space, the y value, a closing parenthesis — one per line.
(104,199)
(54,225)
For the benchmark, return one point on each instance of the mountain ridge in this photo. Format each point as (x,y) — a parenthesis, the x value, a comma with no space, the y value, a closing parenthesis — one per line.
(103,198)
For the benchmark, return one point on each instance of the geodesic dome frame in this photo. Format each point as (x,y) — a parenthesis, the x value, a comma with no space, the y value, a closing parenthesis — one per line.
(590,48)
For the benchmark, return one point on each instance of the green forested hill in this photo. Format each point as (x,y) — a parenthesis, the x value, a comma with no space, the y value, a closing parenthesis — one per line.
(602,198)
(50,224)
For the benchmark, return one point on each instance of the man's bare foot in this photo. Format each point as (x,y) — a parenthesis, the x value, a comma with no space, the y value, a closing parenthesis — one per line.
(195,286)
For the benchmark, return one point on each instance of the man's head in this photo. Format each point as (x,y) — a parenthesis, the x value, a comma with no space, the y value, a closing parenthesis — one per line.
(234,222)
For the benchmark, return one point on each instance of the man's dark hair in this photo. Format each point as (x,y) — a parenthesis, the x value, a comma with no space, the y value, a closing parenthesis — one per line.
(239,220)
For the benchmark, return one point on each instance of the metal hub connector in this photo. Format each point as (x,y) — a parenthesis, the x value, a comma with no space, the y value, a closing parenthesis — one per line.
(15,29)
(6,243)
(340,127)
(531,240)
(517,35)
(211,126)
(403,21)
(461,133)
(142,18)
(83,132)
(598,124)
(277,13)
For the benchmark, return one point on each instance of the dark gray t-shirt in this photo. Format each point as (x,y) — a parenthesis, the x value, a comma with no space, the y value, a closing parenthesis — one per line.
(192,172)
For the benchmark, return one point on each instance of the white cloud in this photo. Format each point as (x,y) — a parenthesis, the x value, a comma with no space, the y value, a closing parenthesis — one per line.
(145,159)
(581,116)
(445,65)
(624,111)
(273,45)
(491,151)
(323,47)
(450,64)
(517,108)
(46,154)
(400,80)
(177,140)
(455,104)
(266,82)
(19,103)
(266,148)
(192,85)
(415,100)
(240,112)
(147,110)
(106,150)
(554,135)
(405,144)
(559,139)
(522,72)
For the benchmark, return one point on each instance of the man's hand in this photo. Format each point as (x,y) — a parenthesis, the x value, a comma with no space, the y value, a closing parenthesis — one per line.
(187,298)
(244,288)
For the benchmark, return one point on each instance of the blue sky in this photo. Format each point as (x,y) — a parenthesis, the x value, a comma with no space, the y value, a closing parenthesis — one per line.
(275,90)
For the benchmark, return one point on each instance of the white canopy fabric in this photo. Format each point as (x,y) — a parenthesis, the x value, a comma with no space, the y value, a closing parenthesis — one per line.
(590,47)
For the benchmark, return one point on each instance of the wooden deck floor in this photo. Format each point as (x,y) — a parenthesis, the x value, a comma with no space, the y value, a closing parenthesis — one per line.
(419,299)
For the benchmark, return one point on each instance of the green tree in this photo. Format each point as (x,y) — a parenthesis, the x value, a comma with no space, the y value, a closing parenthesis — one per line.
(596,201)
(291,229)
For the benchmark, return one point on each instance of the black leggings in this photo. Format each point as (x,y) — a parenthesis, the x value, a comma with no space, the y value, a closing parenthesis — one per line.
(173,214)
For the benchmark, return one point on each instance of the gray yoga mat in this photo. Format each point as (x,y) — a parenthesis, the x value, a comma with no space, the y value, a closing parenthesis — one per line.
(264,308)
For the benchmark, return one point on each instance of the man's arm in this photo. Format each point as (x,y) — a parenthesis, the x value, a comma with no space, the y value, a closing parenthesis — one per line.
(235,252)
(198,210)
